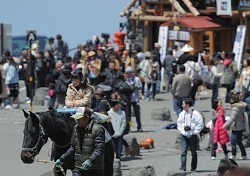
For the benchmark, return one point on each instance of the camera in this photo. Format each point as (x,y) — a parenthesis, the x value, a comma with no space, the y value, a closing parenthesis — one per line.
(187,128)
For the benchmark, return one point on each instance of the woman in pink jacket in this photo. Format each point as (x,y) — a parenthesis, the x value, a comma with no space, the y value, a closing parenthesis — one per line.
(220,134)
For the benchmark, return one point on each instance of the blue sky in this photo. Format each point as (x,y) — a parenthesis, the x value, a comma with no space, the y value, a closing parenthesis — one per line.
(76,20)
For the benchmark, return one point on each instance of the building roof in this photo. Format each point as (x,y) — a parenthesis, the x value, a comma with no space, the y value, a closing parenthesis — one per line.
(199,22)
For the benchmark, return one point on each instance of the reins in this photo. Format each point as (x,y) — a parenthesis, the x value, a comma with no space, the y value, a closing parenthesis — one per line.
(52,162)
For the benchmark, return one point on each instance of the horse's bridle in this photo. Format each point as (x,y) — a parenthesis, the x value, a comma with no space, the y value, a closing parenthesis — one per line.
(41,141)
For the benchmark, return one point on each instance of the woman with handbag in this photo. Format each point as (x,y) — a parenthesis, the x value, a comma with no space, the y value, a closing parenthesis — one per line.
(237,125)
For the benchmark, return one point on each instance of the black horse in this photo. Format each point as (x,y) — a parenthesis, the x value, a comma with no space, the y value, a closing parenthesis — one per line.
(39,127)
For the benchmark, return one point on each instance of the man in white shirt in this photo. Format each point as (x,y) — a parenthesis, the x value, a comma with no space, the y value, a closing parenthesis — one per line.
(189,124)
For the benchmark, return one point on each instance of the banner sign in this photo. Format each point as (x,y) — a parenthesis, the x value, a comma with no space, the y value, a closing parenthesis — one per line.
(239,44)
(162,40)
(224,7)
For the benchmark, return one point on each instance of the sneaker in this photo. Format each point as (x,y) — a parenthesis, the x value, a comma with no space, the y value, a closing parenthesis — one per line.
(143,97)
(182,169)
(193,170)
(27,100)
(232,157)
(213,158)
(243,158)
(8,107)
(147,99)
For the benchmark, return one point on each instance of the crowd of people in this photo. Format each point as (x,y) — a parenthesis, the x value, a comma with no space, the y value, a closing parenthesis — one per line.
(112,80)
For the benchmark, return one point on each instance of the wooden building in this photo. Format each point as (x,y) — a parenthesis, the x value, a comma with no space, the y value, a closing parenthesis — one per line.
(189,21)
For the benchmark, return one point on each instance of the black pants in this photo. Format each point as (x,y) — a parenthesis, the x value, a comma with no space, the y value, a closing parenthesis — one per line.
(80,172)
(193,91)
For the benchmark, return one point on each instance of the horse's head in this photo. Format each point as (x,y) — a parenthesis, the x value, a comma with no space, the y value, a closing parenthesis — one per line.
(34,137)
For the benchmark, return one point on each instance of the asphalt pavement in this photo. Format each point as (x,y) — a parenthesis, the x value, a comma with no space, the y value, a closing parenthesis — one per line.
(164,157)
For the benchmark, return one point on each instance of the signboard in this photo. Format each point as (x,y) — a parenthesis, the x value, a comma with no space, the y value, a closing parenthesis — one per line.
(178,35)
(162,40)
(31,35)
(224,7)
(239,44)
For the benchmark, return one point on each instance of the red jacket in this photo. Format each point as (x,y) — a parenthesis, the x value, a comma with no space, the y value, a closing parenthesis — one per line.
(220,134)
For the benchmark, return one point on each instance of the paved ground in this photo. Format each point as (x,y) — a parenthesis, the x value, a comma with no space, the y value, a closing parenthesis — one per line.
(164,157)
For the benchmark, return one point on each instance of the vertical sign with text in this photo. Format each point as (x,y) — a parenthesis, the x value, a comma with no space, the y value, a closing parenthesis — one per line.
(239,44)
(162,40)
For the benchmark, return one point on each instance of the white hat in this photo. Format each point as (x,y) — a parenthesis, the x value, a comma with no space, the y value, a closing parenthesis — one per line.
(128,69)
(79,113)
(147,54)
(157,45)
(187,48)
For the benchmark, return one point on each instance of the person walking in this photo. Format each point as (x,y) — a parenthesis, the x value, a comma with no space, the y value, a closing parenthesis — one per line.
(168,70)
(87,146)
(230,75)
(11,80)
(180,89)
(189,124)
(193,70)
(214,79)
(220,135)
(151,69)
(237,124)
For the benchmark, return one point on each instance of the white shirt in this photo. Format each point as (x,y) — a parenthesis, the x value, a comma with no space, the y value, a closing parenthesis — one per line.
(191,118)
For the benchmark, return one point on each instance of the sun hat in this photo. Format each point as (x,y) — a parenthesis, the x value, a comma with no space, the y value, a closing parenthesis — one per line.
(187,48)
(91,53)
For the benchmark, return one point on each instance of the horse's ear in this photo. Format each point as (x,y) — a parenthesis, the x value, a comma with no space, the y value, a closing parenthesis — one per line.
(34,117)
(26,115)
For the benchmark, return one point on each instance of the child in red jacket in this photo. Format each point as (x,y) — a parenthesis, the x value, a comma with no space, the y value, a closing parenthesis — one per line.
(220,134)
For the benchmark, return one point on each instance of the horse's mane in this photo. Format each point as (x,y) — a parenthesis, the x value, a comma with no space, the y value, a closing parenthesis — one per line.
(53,114)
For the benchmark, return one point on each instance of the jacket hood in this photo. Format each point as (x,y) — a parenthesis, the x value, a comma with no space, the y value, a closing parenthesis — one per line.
(239,105)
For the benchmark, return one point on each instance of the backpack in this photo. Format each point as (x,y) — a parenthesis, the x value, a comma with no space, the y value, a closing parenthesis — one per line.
(62,85)
(154,74)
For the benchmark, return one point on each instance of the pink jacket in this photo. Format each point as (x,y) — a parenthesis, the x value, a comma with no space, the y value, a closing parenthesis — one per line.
(220,134)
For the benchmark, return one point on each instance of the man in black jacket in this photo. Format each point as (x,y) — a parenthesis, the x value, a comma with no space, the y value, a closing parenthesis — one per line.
(87,146)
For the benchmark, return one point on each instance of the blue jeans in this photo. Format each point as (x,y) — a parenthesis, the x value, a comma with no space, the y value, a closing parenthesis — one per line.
(192,143)
(229,87)
(177,103)
(118,146)
(215,90)
(148,89)
(236,138)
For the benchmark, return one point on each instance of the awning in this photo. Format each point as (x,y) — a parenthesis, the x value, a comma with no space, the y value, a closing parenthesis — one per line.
(199,22)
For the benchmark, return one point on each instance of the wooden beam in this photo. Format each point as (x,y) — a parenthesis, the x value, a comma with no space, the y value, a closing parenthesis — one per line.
(191,7)
(178,7)
(150,18)
(246,13)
